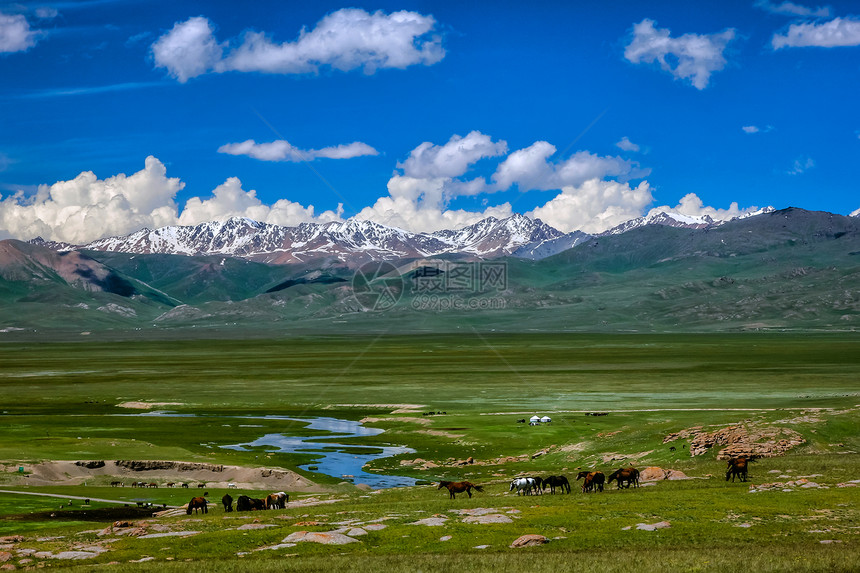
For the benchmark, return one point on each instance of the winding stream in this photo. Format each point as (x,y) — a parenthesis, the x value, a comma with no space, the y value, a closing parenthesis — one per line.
(337,460)
(334,459)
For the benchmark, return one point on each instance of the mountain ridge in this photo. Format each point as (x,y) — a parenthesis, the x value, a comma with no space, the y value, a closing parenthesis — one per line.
(357,241)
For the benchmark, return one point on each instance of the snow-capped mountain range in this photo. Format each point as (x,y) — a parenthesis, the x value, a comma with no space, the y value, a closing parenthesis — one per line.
(356,241)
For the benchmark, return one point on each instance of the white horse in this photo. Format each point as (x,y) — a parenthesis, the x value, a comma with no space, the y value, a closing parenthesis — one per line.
(523,485)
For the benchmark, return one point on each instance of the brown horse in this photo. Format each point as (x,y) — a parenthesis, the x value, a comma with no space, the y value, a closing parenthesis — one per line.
(459,487)
(555,481)
(592,480)
(629,475)
(737,467)
(195,504)
(277,500)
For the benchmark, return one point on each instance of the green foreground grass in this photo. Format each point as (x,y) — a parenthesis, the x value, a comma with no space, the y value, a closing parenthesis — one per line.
(60,402)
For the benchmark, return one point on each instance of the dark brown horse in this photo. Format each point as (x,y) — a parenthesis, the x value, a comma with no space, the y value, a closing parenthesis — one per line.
(556,481)
(195,504)
(593,480)
(459,487)
(737,467)
(228,502)
(629,475)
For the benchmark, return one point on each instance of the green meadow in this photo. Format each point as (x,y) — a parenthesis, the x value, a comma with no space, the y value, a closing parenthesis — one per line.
(62,401)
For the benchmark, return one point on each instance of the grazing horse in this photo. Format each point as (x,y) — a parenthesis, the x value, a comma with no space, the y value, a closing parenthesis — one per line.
(243,503)
(153,484)
(592,480)
(629,475)
(524,486)
(737,467)
(195,504)
(459,487)
(277,500)
(228,503)
(556,481)
(116,484)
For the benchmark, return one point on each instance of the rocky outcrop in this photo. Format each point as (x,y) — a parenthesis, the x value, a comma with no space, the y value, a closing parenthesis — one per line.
(740,440)
(653,473)
(324,537)
(91,465)
(529,540)
(149,465)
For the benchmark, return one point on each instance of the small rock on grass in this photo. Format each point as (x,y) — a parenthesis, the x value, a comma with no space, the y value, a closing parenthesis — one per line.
(431,521)
(529,540)
(488,518)
(651,526)
(445,538)
(324,537)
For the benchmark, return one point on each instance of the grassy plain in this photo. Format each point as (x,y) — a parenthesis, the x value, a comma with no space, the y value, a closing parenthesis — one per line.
(60,402)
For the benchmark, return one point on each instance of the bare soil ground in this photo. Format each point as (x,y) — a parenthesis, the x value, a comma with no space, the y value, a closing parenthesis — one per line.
(70,473)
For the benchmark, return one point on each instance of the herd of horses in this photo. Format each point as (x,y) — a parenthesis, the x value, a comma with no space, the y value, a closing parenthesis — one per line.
(536,485)
(277,500)
(593,481)
(153,484)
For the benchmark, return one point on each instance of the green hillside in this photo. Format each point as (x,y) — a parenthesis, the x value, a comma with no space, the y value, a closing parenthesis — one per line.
(790,269)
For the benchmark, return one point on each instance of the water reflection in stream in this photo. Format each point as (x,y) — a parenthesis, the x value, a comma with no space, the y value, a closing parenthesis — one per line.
(334,459)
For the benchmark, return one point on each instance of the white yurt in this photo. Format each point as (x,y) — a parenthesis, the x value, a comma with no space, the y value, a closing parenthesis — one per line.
(546,420)
(534,420)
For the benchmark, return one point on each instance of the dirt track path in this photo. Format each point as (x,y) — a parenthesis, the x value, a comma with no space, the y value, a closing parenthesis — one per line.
(71,497)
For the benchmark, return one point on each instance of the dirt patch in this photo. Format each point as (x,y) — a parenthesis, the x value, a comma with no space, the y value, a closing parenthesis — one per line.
(740,440)
(372,419)
(162,472)
(395,408)
(440,433)
(148,405)
(580,447)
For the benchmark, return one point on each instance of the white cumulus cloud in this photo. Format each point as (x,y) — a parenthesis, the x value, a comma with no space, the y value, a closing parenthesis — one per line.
(281,150)
(87,208)
(531,168)
(230,200)
(839,32)
(792,9)
(15,34)
(401,209)
(594,206)
(344,40)
(187,50)
(452,159)
(692,57)
(626,145)
(691,205)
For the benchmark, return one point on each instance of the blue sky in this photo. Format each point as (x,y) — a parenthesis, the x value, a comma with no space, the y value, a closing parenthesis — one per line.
(120,114)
